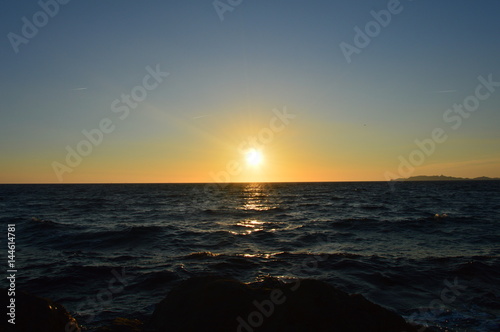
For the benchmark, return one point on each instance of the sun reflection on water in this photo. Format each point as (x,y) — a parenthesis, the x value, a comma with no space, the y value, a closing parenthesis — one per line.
(259,197)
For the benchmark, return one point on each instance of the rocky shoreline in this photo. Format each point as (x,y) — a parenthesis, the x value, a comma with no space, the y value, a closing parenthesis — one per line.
(213,303)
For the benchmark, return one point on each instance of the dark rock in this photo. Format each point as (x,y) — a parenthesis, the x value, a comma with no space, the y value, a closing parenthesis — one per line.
(36,314)
(122,325)
(217,304)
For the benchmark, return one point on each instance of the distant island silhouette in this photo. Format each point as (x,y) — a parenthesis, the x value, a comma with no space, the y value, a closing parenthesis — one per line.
(444,178)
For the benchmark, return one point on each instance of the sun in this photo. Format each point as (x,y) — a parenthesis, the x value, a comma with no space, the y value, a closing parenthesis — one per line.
(254,157)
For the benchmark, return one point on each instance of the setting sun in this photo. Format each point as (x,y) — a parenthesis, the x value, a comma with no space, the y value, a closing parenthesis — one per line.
(254,157)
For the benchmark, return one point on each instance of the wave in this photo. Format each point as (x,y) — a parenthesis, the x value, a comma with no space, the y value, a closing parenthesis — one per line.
(373,207)
(43,222)
(238,212)
(201,255)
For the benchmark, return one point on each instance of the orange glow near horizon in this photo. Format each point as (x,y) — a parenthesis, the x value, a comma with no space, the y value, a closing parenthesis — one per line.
(219,151)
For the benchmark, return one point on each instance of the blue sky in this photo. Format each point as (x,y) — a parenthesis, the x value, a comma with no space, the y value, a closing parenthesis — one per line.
(226,76)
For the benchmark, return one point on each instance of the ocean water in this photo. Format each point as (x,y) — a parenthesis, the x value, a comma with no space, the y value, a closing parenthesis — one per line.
(427,250)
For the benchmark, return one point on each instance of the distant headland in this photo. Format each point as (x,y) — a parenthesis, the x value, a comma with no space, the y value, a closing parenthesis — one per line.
(444,178)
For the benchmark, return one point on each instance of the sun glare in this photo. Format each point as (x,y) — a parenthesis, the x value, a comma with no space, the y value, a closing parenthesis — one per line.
(254,157)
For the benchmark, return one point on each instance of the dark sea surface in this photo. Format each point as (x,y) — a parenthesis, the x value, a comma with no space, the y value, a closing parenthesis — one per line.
(427,250)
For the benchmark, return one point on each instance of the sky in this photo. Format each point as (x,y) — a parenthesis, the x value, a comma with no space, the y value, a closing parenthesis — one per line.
(122,91)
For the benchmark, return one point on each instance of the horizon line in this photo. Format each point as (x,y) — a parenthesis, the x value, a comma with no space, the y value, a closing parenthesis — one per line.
(248,182)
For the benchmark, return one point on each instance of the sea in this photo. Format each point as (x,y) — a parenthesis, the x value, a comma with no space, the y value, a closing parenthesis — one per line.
(426,250)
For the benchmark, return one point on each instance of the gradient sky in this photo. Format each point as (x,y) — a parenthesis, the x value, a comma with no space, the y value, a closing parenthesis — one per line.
(353,121)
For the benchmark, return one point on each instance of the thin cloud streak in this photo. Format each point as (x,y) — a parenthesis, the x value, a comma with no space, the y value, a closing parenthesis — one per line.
(445,91)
